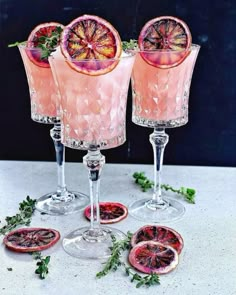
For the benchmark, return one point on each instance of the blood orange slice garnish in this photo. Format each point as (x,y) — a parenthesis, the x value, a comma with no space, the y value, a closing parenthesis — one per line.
(31,239)
(153,257)
(110,212)
(161,234)
(94,39)
(44,38)
(168,40)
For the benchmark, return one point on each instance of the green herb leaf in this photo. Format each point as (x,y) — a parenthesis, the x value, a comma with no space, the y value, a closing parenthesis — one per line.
(49,44)
(143,181)
(146,184)
(23,217)
(132,44)
(42,264)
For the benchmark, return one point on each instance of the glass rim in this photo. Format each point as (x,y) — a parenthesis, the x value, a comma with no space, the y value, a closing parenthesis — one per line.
(63,58)
(191,48)
(128,54)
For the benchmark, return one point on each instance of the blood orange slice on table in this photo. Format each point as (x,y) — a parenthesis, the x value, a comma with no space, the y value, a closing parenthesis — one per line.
(31,239)
(153,257)
(110,212)
(161,234)
(94,39)
(44,38)
(168,40)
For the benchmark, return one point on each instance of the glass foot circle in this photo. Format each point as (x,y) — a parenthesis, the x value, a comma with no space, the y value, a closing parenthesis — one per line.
(78,244)
(71,203)
(172,210)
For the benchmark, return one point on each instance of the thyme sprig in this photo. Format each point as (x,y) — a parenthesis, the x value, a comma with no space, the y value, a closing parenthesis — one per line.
(42,264)
(187,193)
(47,44)
(23,217)
(114,262)
(143,181)
(146,184)
(17,43)
(148,280)
(132,44)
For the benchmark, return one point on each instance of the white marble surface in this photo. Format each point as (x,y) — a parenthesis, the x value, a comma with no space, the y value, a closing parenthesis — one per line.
(207,263)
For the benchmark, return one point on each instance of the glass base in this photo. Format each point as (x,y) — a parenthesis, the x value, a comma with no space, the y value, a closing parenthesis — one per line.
(44,119)
(72,202)
(153,123)
(145,210)
(91,244)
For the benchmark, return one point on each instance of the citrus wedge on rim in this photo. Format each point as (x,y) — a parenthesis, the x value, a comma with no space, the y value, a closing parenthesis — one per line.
(162,234)
(110,212)
(93,39)
(45,35)
(153,257)
(168,40)
(31,239)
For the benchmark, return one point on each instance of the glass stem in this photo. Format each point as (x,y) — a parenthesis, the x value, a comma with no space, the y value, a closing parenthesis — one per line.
(94,162)
(55,133)
(158,139)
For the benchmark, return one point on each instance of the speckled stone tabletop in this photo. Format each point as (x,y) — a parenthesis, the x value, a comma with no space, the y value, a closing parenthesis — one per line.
(207,262)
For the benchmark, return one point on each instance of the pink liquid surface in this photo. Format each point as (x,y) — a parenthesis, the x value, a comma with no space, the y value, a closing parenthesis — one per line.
(93,108)
(161,95)
(43,92)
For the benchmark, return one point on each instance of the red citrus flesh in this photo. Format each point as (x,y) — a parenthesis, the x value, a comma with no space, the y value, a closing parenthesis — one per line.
(36,39)
(153,257)
(168,40)
(31,239)
(110,212)
(161,234)
(94,39)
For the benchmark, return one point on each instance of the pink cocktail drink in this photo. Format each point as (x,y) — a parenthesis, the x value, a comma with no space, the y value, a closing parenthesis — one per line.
(44,109)
(160,85)
(93,108)
(42,88)
(93,116)
(160,96)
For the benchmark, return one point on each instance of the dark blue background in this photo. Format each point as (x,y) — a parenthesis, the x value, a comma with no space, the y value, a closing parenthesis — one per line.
(210,136)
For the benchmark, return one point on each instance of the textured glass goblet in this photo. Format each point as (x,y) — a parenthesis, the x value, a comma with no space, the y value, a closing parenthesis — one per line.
(160,101)
(43,98)
(93,118)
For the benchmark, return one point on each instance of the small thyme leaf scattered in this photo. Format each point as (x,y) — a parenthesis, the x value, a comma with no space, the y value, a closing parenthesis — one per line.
(114,261)
(132,44)
(42,264)
(146,184)
(23,217)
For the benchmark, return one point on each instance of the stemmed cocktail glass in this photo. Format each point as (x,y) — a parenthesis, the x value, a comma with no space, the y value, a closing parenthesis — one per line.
(160,101)
(93,118)
(43,97)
